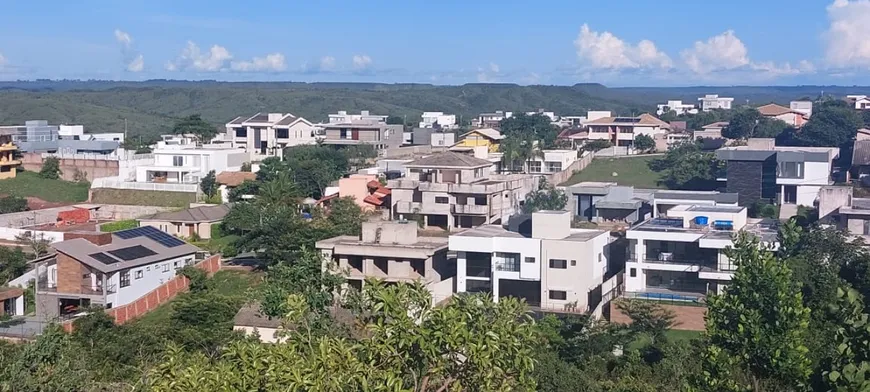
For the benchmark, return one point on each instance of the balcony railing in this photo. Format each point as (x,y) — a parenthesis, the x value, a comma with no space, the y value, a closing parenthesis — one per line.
(470,209)
(674,260)
(44,286)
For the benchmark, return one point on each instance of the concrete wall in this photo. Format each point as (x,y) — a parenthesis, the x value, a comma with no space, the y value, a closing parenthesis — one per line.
(93,168)
(566,173)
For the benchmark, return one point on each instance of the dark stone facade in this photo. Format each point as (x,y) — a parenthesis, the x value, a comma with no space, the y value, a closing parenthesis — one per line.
(752,180)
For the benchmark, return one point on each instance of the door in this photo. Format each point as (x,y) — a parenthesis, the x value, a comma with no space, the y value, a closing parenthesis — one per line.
(789,194)
(355,134)
(263,146)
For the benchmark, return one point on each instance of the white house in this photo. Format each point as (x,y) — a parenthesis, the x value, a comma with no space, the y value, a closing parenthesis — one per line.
(540,259)
(551,161)
(491,120)
(268,134)
(621,131)
(789,116)
(364,116)
(677,107)
(445,121)
(188,163)
(713,101)
(803,107)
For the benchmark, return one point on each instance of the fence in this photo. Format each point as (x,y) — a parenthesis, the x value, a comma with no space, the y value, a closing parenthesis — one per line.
(117,183)
(11,234)
(578,165)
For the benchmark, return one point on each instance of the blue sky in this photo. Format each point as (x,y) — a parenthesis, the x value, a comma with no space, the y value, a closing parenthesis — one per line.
(616,42)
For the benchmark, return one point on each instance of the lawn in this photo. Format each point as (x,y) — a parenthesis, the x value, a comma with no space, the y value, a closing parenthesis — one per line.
(630,171)
(30,184)
(125,224)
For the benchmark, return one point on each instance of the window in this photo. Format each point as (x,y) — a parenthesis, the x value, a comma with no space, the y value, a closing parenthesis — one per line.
(866,227)
(790,170)
(534,167)
(529,260)
(241,132)
(553,167)
(558,263)
(148,268)
(166,267)
(125,278)
(282,133)
(558,295)
(573,263)
(632,272)
(175,265)
(441,200)
(344,133)
(177,161)
(139,274)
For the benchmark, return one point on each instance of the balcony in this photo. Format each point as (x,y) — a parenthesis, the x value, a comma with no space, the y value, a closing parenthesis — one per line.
(45,287)
(470,209)
(434,187)
(403,183)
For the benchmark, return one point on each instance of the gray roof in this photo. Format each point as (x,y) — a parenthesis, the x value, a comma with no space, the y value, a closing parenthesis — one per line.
(718,197)
(259,118)
(74,146)
(237,120)
(743,155)
(632,204)
(449,159)
(287,120)
(193,215)
(81,249)
(861,153)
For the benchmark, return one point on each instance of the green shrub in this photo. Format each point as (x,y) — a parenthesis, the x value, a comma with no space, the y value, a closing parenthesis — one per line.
(112,227)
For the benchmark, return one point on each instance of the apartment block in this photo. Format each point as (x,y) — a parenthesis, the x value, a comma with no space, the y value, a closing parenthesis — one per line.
(107,269)
(680,254)
(454,190)
(268,134)
(392,252)
(539,258)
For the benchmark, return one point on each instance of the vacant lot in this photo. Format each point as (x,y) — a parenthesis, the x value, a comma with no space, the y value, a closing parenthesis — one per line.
(30,184)
(630,171)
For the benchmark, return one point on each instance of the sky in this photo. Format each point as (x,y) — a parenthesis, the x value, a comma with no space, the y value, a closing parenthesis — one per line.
(614,42)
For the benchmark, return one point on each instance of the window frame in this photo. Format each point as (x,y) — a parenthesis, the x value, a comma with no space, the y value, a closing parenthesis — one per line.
(445,198)
(554,263)
(138,274)
(563,292)
(124,278)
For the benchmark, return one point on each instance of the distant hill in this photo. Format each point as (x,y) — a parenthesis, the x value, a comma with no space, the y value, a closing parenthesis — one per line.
(150,107)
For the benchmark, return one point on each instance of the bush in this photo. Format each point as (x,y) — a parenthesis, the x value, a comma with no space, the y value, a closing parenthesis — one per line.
(112,227)
(764,209)
(10,204)
(50,169)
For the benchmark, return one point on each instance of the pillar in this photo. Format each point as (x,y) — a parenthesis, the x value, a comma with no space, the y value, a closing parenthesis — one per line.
(494,282)
(460,272)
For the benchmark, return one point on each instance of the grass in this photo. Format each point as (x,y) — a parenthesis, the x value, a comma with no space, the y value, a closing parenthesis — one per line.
(125,224)
(631,171)
(143,198)
(673,335)
(229,283)
(30,184)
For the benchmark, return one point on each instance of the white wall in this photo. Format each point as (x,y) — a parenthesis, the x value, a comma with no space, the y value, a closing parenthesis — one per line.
(153,275)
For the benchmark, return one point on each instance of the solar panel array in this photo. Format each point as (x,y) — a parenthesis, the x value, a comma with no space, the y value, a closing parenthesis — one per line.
(152,233)
(132,252)
(104,258)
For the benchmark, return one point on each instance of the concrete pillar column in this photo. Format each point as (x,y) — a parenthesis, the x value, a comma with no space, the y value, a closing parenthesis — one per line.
(494,282)
(639,251)
(460,272)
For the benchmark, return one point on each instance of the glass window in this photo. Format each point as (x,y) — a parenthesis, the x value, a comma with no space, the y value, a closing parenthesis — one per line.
(441,200)
(241,132)
(573,263)
(282,133)
(166,267)
(534,167)
(632,272)
(125,278)
(558,295)
(790,170)
(558,263)
(529,260)
(554,167)
(139,274)
(177,161)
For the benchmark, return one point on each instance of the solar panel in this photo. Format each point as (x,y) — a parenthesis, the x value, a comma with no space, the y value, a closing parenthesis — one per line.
(104,258)
(132,253)
(152,233)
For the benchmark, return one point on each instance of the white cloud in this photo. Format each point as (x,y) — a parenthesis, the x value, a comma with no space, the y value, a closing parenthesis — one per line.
(607,51)
(2,60)
(273,62)
(846,42)
(137,64)
(493,67)
(192,58)
(488,74)
(722,52)
(361,62)
(327,63)
(123,38)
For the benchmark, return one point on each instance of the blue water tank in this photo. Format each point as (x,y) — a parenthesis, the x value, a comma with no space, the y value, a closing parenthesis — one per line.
(723,225)
(701,220)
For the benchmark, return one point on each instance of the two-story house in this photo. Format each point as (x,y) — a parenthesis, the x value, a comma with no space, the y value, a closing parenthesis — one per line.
(107,269)
(187,163)
(678,107)
(451,189)
(268,134)
(539,258)
(491,120)
(483,137)
(714,101)
(379,135)
(444,121)
(789,116)
(364,115)
(621,131)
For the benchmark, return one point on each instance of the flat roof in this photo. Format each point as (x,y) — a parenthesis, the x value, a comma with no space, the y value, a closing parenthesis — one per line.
(730,209)
(430,243)
(489,231)
(719,197)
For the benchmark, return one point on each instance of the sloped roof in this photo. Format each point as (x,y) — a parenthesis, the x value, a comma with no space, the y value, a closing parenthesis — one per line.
(287,120)
(449,159)
(773,109)
(643,119)
(717,124)
(488,132)
(861,153)
(234,178)
(197,214)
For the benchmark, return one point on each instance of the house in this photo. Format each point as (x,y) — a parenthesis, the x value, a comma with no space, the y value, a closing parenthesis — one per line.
(392,252)
(365,189)
(787,115)
(438,120)
(8,163)
(710,135)
(11,301)
(678,107)
(574,137)
(621,131)
(861,158)
(680,255)
(540,259)
(228,180)
(789,175)
(37,136)
(192,222)
(491,120)
(839,207)
(189,163)
(430,137)
(803,107)
(550,115)
(859,102)
(571,121)
(713,101)
(487,137)
(551,161)
(268,134)
(451,189)
(107,269)
(607,202)
(364,116)
(663,200)
(379,135)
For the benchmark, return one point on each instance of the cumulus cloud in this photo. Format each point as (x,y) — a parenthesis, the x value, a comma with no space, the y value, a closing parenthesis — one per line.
(607,51)
(270,63)
(133,60)
(846,44)
(722,52)
(489,74)
(327,63)
(361,61)
(193,59)
(2,60)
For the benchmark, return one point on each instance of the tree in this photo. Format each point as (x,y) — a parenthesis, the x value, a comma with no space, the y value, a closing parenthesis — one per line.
(303,276)
(850,368)
(13,264)
(11,204)
(246,188)
(546,197)
(757,327)
(395,120)
(647,317)
(246,167)
(208,184)
(50,168)
(535,127)
(196,126)
(37,242)
(644,142)
(686,166)
(832,125)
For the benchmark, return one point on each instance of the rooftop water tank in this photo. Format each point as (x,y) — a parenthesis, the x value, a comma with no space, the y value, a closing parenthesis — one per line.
(701,220)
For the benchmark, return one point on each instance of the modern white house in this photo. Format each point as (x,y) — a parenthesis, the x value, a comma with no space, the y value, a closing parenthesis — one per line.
(714,101)
(677,107)
(444,121)
(680,256)
(803,107)
(859,102)
(539,258)
(789,116)
(491,120)
(365,116)
(268,134)
(188,163)
(108,269)
(551,161)
(621,131)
